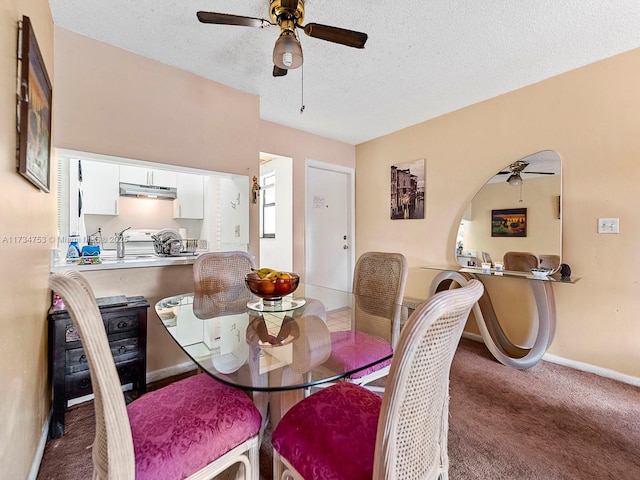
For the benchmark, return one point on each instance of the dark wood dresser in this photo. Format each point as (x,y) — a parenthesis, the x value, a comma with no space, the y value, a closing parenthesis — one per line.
(125,321)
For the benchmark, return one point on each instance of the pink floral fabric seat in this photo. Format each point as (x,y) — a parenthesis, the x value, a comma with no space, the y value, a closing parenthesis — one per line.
(352,349)
(184,426)
(331,435)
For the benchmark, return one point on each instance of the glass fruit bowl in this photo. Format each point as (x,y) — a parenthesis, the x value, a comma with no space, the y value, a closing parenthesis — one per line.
(273,287)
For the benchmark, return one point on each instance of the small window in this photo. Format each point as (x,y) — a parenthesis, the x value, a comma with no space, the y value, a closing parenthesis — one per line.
(269,206)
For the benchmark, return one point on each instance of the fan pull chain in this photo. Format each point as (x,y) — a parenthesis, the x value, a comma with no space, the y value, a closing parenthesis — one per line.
(302,89)
(520,201)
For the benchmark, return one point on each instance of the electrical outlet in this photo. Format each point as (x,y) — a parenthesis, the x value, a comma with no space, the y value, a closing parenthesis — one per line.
(608,225)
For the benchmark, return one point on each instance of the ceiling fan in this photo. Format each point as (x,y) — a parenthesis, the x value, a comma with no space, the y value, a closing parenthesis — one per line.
(517,168)
(288,15)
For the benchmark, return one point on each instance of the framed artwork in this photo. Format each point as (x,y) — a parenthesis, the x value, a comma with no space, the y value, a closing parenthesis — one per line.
(34,111)
(511,222)
(408,190)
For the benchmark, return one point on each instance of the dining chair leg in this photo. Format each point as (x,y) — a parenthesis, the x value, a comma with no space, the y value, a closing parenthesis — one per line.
(277,466)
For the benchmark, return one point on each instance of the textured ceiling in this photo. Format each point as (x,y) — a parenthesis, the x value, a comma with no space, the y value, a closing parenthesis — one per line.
(423,58)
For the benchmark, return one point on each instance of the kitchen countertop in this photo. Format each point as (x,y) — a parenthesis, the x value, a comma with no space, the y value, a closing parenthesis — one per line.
(110,262)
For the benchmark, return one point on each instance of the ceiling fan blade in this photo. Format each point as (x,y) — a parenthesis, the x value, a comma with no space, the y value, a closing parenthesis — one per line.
(227,19)
(342,36)
(279,72)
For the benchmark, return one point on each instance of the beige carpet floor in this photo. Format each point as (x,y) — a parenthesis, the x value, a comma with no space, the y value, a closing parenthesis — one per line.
(546,423)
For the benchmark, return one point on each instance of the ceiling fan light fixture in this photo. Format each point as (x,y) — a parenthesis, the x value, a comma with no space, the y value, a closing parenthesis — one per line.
(287,52)
(515,180)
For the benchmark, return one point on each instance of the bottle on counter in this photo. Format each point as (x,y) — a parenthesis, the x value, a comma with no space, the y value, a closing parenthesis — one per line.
(73,252)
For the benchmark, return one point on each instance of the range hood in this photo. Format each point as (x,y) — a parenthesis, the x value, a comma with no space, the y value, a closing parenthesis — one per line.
(147,191)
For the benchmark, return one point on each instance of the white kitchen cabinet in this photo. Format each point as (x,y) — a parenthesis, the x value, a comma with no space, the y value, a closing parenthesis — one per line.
(100,188)
(147,176)
(189,202)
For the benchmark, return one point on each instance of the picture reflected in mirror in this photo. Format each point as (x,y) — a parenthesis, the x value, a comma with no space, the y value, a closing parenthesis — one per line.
(533,185)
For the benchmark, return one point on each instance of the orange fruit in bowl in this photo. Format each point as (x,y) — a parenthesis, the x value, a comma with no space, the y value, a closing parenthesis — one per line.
(267,286)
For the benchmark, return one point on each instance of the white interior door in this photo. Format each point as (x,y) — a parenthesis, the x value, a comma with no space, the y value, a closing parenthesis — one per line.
(329,226)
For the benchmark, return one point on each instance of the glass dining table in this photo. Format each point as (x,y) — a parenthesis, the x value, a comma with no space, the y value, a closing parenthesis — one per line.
(279,350)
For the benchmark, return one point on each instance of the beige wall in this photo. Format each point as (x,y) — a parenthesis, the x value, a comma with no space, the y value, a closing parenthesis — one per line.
(590,116)
(25,211)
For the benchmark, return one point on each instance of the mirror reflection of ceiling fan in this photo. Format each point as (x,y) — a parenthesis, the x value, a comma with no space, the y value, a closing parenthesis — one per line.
(516,169)
(288,15)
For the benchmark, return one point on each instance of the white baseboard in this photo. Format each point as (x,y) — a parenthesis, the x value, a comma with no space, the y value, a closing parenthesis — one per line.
(37,459)
(473,336)
(170,371)
(584,367)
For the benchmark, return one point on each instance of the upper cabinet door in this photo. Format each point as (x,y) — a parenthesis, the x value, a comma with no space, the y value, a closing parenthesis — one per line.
(100,188)
(163,178)
(190,201)
(147,176)
(135,175)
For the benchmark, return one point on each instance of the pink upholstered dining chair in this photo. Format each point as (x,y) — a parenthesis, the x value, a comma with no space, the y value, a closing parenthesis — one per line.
(348,432)
(379,279)
(195,428)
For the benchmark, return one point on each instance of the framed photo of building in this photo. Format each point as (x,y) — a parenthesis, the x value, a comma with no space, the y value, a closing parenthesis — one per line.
(511,222)
(34,111)
(408,190)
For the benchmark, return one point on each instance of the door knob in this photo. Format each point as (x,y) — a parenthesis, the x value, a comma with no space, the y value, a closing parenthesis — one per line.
(345,247)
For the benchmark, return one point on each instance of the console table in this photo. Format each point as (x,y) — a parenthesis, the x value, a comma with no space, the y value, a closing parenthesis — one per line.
(125,321)
(492,333)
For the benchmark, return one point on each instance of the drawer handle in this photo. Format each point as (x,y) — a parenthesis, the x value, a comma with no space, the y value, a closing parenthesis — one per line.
(122,324)
(85,383)
(83,358)
(122,349)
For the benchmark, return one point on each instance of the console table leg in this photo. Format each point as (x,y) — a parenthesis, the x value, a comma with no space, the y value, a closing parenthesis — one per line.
(492,333)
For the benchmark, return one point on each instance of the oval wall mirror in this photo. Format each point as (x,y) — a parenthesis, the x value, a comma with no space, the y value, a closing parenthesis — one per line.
(518,210)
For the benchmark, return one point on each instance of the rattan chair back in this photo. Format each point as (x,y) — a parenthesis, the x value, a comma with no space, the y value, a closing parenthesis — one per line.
(411,440)
(521,261)
(113,438)
(218,282)
(379,279)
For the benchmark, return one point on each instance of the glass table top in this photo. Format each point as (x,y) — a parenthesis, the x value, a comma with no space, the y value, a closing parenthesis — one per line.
(238,340)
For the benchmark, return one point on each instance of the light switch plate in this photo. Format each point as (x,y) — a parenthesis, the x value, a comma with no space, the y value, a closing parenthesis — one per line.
(608,225)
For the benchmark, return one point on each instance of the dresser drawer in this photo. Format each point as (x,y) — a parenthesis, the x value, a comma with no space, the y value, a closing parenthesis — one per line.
(79,384)
(122,350)
(121,322)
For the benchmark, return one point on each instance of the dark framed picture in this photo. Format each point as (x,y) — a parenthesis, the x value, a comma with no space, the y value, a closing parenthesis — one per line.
(408,190)
(34,111)
(511,222)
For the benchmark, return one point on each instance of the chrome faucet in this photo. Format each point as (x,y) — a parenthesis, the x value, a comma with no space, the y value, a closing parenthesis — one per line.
(120,243)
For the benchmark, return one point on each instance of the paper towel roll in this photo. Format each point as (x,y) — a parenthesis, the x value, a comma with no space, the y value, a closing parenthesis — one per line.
(183,233)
